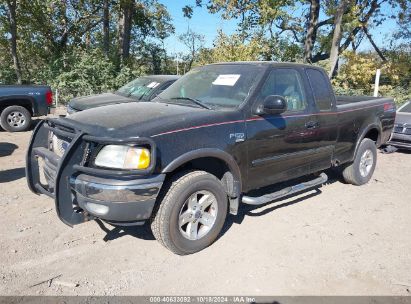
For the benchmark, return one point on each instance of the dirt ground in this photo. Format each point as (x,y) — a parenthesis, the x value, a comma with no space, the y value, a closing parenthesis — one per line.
(338,240)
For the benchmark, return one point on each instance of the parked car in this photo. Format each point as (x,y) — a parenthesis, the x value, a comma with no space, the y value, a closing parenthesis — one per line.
(141,89)
(195,152)
(19,103)
(401,135)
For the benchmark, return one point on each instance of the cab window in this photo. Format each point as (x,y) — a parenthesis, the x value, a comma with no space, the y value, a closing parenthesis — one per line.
(321,89)
(288,84)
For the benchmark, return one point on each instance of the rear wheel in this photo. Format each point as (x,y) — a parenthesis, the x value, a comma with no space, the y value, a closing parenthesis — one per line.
(361,170)
(191,213)
(15,119)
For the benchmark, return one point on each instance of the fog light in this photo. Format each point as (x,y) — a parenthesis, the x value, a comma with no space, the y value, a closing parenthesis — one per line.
(97,208)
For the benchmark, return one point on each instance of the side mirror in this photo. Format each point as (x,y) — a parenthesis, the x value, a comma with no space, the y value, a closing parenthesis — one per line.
(273,104)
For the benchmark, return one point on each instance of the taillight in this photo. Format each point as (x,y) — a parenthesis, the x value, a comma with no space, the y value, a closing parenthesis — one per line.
(388,106)
(49,98)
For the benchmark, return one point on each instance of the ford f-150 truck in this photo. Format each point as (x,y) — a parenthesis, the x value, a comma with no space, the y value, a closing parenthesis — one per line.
(193,154)
(19,103)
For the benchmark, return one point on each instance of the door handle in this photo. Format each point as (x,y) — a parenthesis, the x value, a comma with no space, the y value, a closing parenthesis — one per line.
(312,125)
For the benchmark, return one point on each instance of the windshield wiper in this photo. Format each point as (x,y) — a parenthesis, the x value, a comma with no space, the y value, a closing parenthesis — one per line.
(196,101)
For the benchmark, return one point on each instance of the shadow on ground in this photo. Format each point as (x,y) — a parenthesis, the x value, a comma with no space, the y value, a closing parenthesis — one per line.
(144,232)
(141,232)
(12,175)
(7,148)
(249,210)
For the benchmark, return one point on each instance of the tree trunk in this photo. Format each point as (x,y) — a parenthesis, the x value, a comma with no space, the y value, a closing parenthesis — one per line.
(311,30)
(124,27)
(106,27)
(11,15)
(335,46)
(374,45)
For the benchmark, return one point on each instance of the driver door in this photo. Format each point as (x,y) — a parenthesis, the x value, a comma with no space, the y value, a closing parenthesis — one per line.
(276,151)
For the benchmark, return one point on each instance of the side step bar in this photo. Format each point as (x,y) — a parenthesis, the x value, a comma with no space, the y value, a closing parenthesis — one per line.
(260,200)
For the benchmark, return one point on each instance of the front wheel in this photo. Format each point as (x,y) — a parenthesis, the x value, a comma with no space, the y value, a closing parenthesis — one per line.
(191,214)
(15,119)
(360,171)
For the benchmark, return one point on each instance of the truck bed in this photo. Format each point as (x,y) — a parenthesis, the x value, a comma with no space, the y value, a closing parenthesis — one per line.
(343,99)
(355,113)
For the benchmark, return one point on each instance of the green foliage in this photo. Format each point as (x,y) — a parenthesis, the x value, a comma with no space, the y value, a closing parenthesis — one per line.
(232,48)
(357,76)
(89,72)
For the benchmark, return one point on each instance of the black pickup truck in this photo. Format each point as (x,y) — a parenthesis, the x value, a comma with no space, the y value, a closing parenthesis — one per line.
(18,104)
(195,152)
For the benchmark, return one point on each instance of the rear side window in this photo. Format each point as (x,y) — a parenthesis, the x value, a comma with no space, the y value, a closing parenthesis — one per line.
(286,83)
(321,89)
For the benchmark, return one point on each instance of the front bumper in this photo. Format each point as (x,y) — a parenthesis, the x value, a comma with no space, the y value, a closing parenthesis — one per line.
(83,193)
(117,200)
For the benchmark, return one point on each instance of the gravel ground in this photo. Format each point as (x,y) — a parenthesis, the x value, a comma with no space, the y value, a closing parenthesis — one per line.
(338,240)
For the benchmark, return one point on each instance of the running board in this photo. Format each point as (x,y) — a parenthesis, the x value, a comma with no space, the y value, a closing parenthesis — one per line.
(260,200)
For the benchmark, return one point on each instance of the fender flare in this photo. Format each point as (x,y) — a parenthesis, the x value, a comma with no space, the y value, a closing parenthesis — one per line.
(363,133)
(214,153)
(18,98)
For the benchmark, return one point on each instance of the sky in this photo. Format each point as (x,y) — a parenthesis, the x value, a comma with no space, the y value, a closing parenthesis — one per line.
(202,22)
(207,24)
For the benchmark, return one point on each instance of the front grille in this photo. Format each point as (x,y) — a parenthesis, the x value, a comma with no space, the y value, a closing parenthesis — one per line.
(60,138)
(59,145)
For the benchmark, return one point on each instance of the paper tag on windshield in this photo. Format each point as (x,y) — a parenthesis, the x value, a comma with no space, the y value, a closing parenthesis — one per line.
(227,79)
(152,85)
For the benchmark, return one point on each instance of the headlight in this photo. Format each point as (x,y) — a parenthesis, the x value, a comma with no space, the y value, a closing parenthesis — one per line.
(123,157)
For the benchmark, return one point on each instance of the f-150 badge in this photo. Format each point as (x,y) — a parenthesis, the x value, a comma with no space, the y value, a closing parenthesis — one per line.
(239,137)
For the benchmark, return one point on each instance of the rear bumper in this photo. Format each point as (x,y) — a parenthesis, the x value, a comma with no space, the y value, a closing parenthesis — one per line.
(83,193)
(400,141)
(399,144)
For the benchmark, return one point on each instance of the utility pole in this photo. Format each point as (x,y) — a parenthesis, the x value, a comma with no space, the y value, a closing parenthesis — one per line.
(377,82)
(177,64)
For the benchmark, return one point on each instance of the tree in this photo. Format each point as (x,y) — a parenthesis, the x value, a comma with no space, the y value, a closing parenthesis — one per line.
(125,23)
(279,18)
(337,36)
(10,9)
(60,23)
(194,42)
(232,48)
(106,27)
(311,30)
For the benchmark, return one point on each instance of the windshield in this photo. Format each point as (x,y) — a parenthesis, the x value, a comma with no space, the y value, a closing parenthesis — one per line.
(225,86)
(406,108)
(138,87)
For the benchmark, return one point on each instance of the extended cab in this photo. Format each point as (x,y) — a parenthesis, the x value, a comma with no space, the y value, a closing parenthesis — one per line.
(19,103)
(198,150)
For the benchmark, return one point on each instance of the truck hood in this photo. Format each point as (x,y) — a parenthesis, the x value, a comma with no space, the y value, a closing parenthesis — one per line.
(93,101)
(143,119)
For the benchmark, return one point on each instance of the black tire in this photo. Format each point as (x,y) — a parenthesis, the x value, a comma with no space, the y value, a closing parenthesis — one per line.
(165,220)
(22,121)
(352,173)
